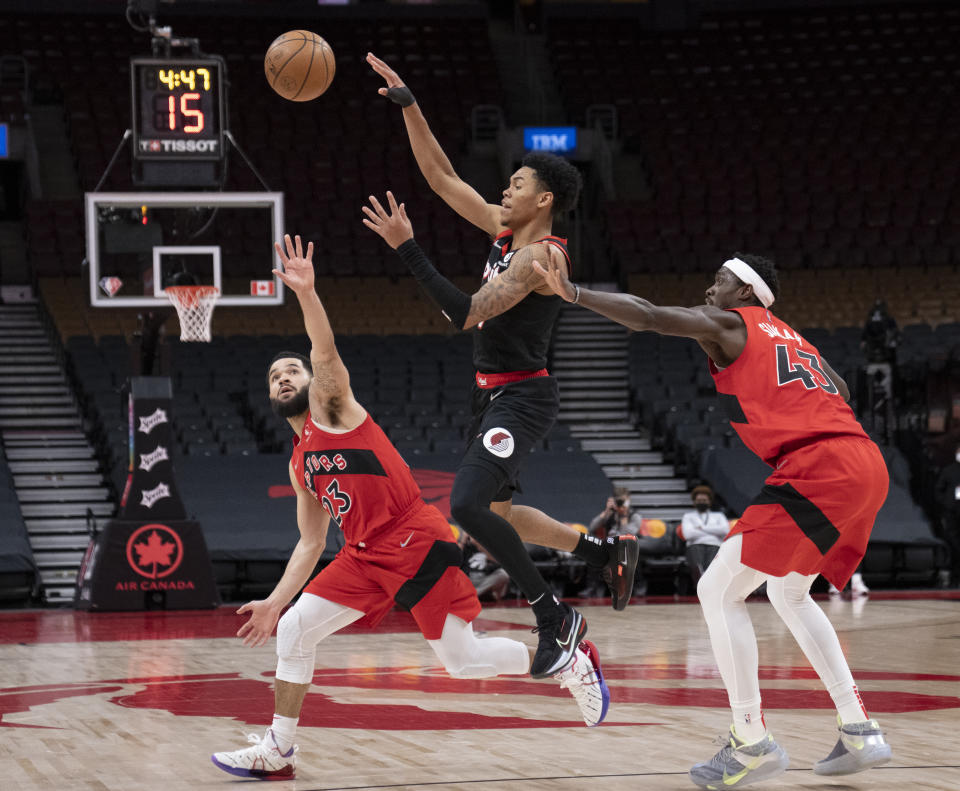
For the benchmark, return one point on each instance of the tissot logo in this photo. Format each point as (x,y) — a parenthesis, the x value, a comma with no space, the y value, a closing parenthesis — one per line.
(150,422)
(150,496)
(179,146)
(149,460)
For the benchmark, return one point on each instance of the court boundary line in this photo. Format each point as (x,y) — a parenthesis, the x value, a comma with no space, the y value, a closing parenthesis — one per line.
(561,778)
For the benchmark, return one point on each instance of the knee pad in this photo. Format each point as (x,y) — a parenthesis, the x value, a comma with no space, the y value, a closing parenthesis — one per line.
(294,660)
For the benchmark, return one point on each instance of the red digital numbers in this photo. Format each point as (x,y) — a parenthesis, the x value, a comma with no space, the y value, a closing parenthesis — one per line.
(174,116)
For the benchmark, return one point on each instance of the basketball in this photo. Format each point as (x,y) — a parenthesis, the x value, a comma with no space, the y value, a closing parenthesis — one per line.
(299,65)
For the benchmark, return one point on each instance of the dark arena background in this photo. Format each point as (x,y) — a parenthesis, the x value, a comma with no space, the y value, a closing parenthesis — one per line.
(144,491)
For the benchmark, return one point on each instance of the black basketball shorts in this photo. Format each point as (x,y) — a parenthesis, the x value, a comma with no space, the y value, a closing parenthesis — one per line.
(508,421)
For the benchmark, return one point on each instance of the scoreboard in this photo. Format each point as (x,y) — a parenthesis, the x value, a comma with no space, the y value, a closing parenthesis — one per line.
(178,108)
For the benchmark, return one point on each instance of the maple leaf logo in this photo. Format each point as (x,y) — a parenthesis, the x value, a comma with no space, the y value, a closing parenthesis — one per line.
(162,547)
(156,550)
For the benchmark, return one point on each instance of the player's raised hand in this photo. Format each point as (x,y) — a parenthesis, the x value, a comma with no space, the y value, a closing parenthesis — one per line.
(395,228)
(263,619)
(556,279)
(297,271)
(395,89)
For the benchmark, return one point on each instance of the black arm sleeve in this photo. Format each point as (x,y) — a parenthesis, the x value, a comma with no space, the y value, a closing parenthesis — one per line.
(450,299)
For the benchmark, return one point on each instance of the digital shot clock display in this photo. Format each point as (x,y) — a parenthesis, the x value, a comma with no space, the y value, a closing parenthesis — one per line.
(177,108)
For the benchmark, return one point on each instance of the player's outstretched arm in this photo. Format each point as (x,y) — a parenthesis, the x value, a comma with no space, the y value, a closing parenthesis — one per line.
(703,323)
(331,400)
(462,310)
(313,522)
(433,162)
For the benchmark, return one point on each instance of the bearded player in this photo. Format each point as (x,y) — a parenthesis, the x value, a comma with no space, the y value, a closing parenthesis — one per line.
(398,549)
(813,516)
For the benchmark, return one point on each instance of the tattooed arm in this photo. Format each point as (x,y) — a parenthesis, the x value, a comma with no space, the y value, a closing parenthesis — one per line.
(464,311)
(501,293)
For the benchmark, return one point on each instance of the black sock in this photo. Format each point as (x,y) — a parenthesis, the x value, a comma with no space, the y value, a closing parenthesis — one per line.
(545,607)
(592,550)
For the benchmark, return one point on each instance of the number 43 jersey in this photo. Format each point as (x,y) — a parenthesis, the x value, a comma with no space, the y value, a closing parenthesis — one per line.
(359,478)
(777,393)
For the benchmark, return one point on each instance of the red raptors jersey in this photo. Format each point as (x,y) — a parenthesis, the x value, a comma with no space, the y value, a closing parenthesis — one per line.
(776,393)
(358,476)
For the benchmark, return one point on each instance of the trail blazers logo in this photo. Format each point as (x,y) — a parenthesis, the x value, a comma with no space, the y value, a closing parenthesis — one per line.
(499,442)
(150,496)
(150,422)
(149,460)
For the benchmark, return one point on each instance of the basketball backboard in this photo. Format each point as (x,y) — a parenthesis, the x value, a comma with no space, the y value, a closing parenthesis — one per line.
(138,243)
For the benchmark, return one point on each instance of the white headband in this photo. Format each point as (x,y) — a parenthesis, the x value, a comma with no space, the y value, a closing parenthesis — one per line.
(749,275)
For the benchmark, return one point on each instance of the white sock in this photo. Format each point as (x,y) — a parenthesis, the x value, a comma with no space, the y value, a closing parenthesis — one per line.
(846,697)
(748,723)
(284,729)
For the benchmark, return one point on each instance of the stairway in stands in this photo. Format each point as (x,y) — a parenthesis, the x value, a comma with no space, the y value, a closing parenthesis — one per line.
(55,471)
(591,364)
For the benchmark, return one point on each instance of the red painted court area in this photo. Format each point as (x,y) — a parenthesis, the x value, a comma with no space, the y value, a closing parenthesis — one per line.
(249,700)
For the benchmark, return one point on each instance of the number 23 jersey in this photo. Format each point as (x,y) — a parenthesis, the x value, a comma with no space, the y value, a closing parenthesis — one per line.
(359,478)
(777,393)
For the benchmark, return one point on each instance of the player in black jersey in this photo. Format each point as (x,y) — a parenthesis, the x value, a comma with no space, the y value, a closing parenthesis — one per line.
(515,401)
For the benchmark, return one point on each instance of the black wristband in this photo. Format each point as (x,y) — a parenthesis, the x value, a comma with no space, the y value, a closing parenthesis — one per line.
(450,299)
(401,95)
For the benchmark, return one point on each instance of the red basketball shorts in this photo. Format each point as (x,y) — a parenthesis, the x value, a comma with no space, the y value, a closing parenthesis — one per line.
(816,510)
(414,564)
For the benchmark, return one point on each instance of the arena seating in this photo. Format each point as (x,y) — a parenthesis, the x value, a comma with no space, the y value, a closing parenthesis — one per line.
(416,386)
(823,138)
(318,153)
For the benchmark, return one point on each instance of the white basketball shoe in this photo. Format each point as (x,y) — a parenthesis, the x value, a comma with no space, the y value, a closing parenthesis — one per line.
(263,760)
(584,680)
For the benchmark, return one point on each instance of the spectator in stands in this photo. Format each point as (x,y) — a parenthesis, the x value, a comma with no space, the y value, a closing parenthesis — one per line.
(616,519)
(880,335)
(398,548)
(515,401)
(814,514)
(703,530)
(948,499)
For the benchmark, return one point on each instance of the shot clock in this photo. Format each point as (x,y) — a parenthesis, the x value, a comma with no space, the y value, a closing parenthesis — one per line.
(177,108)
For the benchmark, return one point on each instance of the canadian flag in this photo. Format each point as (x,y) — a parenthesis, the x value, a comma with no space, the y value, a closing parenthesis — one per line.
(262,288)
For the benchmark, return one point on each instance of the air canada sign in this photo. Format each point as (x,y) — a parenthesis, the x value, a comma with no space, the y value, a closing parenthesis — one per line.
(154,551)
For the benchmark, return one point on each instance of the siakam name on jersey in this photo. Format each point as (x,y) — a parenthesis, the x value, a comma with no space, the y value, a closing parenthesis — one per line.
(179,146)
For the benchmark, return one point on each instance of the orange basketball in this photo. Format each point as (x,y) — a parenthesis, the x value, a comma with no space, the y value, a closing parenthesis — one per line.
(299,65)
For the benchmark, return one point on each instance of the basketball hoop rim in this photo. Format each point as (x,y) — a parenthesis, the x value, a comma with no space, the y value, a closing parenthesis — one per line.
(189,296)
(194,305)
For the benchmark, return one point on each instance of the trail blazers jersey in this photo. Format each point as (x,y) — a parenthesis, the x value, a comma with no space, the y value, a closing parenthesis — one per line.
(519,339)
(358,476)
(777,394)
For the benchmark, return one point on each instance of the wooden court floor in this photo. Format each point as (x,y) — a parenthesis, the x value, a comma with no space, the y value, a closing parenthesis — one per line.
(139,701)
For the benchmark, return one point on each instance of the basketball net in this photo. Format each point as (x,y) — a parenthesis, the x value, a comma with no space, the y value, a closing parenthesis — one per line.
(194,306)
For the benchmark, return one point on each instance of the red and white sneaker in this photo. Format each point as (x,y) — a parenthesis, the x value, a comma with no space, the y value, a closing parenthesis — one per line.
(263,760)
(584,680)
